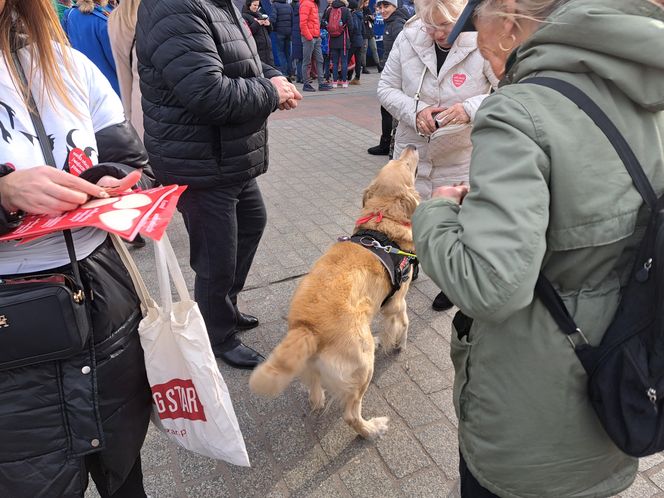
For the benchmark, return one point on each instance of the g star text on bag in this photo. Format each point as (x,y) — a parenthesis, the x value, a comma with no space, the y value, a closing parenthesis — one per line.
(178,398)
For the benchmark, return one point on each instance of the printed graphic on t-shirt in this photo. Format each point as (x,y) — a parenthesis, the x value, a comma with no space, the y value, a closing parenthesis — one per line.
(99,107)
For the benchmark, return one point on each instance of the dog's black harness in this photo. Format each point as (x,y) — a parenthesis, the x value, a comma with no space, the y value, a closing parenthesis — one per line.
(396,262)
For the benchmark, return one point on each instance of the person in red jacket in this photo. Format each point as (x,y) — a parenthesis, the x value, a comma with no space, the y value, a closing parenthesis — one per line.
(310,31)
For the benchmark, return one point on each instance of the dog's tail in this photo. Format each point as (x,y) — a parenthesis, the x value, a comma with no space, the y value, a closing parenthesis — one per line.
(285,363)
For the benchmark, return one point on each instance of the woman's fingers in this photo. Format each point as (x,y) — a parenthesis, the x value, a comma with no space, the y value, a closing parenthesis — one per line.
(75,183)
(46,190)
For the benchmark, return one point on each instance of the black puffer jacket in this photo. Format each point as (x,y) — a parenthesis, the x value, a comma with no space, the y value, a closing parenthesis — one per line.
(96,403)
(393,26)
(261,35)
(282,17)
(206,95)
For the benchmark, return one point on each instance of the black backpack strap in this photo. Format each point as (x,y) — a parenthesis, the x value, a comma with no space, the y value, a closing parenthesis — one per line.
(551,299)
(587,105)
(543,288)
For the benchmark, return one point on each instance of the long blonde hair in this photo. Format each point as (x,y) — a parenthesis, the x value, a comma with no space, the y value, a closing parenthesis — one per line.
(125,15)
(36,22)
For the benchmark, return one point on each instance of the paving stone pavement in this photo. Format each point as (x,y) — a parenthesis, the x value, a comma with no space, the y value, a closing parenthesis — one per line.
(313,189)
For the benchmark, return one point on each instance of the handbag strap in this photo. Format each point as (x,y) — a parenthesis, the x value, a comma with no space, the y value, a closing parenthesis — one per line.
(44,143)
(134,273)
(168,269)
(543,288)
(419,89)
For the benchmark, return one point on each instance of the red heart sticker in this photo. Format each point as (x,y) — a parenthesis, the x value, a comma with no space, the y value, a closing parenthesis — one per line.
(78,162)
(458,79)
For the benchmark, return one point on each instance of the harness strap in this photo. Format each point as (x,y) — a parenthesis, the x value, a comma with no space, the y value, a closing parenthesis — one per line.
(397,266)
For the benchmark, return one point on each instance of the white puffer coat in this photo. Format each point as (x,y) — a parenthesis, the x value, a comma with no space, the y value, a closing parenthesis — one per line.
(464,77)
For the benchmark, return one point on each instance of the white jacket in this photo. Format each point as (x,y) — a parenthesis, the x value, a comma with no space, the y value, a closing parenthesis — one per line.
(465,77)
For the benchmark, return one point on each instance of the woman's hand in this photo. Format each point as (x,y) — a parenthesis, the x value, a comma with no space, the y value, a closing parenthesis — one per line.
(45,190)
(424,120)
(454,193)
(453,115)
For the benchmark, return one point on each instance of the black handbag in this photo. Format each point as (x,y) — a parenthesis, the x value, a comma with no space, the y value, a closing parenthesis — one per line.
(626,369)
(43,317)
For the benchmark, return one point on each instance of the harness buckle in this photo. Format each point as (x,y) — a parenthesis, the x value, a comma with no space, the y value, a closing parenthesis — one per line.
(583,341)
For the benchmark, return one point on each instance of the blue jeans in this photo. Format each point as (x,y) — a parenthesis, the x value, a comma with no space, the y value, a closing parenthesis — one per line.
(298,69)
(335,55)
(284,54)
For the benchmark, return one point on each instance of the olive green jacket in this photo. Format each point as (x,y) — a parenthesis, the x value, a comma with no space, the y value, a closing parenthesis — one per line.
(547,190)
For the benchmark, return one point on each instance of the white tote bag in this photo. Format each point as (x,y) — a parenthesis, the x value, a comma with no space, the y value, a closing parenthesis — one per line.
(191,403)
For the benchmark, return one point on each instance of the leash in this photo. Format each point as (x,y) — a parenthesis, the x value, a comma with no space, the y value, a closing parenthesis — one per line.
(367,241)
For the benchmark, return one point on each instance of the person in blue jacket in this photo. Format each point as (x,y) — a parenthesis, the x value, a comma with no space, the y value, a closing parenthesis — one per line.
(282,24)
(296,45)
(356,32)
(86,26)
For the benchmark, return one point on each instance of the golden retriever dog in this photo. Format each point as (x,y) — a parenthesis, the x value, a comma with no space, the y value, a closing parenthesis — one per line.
(329,344)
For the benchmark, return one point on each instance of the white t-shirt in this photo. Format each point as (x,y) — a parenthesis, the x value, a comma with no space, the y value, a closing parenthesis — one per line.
(99,108)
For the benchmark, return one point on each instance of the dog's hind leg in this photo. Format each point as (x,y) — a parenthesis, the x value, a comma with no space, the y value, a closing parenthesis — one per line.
(395,329)
(311,378)
(352,401)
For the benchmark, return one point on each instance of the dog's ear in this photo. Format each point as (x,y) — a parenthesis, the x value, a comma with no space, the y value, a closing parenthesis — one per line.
(408,201)
(368,192)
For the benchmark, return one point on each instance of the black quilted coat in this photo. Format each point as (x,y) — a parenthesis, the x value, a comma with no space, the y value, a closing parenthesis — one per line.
(96,403)
(206,95)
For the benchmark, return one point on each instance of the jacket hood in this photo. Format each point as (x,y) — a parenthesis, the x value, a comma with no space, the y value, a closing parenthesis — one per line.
(617,40)
(399,14)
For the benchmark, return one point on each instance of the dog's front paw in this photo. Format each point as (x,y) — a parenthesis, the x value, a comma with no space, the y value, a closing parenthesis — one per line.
(379,426)
(317,401)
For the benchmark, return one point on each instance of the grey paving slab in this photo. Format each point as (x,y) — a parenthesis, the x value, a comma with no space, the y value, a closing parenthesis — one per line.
(313,190)
(427,483)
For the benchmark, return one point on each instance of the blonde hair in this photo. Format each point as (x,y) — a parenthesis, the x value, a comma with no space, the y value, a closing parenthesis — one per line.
(125,15)
(450,10)
(36,23)
(87,6)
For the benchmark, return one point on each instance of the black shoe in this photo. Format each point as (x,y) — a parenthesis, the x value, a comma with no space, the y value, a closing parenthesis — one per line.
(365,71)
(379,150)
(441,303)
(240,356)
(246,322)
(138,242)
(380,69)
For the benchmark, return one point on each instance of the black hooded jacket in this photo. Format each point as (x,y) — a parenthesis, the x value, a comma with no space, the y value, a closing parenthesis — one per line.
(393,27)
(261,35)
(206,94)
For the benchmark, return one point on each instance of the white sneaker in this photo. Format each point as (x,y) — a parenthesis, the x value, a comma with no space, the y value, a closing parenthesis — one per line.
(344,84)
(335,84)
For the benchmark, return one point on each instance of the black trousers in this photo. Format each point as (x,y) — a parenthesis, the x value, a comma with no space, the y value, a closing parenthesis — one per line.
(225,225)
(357,52)
(131,488)
(386,125)
(470,488)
